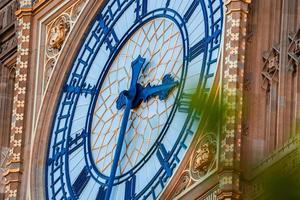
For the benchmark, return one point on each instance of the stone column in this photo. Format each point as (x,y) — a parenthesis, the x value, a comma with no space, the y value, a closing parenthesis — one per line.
(232,84)
(14,165)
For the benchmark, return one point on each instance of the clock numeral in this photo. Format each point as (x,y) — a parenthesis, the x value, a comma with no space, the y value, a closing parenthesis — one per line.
(130,188)
(81,182)
(101,193)
(185,103)
(82,90)
(163,157)
(202,45)
(59,152)
(77,141)
(141,9)
(111,41)
(191,10)
(198,48)
(102,25)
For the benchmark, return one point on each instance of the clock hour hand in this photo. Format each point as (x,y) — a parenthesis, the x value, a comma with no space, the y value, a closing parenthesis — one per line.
(136,66)
(163,90)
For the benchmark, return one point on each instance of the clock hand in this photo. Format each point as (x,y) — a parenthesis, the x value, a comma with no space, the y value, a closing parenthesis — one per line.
(136,66)
(126,98)
(118,149)
(163,90)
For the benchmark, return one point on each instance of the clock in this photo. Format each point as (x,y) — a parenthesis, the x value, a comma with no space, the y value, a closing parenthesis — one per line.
(123,121)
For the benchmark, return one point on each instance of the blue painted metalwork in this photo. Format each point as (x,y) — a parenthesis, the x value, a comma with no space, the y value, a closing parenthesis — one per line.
(145,93)
(166,13)
(129,96)
(81,182)
(69,142)
(130,188)
(131,99)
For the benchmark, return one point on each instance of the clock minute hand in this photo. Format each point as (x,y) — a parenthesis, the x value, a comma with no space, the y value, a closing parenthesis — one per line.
(126,98)
(118,149)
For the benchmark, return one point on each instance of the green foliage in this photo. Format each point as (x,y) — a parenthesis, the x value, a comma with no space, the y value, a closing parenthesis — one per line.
(211,108)
(280,186)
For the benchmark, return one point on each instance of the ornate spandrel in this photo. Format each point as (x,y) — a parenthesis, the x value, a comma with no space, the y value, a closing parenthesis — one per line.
(270,71)
(203,163)
(58,31)
(204,157)
(183,183)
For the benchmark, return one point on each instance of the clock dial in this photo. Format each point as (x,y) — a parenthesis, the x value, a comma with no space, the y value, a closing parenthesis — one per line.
(123,123)
(147,121)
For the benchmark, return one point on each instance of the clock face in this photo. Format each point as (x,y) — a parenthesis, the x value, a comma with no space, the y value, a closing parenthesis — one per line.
(123,121)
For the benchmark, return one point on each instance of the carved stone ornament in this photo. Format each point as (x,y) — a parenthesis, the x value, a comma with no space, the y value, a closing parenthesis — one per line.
(270,71)
(182,184)
(204,157)
(58,34)
(77,9)
(49,68)
(294,51)
(3,160)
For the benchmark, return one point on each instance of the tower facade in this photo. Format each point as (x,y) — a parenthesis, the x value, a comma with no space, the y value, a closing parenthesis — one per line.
(250,55)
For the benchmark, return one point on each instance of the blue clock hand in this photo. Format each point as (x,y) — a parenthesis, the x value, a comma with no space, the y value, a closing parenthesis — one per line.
(126,96)
(163,90)
(136,66)
(118,149)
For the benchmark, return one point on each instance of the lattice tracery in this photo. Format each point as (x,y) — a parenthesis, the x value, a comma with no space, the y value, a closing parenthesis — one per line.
(146,122)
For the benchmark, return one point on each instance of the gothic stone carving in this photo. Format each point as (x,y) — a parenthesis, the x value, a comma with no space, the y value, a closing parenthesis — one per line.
(204,156)
(294,51)
(8,40)
(202,163)
(271,68)
(182,184)
(3,160)
(58,31)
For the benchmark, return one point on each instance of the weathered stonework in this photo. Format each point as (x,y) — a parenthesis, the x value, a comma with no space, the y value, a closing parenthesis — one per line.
(270,71)
(294,51)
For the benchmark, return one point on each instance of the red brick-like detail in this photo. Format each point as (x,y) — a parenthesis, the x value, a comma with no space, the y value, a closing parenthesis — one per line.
(232,83)
(14,165)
